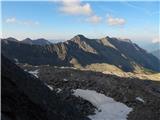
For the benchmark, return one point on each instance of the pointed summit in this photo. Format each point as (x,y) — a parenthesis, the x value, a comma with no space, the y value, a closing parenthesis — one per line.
(79,38)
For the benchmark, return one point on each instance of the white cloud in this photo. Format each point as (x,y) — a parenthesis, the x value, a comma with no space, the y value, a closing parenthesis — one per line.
(11,20)
(156,40)
(21,22)
(115,21)
(94,19)
(75,7)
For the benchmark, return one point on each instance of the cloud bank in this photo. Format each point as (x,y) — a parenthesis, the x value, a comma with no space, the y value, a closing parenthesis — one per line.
(156,40)
(14,20)
(94,19)
(75,7)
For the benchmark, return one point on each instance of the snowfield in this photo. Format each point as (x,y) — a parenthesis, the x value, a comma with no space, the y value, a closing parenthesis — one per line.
(108,108)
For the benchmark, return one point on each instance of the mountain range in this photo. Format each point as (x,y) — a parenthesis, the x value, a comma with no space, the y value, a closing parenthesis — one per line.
(80,52)
(150,46)
(36,88)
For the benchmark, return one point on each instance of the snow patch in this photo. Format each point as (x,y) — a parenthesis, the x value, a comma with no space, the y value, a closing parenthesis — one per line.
(50,87)
(55,67)
(140,99)
(136,47)
(108,108)
(65,80)
(63,67)
(59,90)
(16,60)
(26,64)
(123,56)
(34,72)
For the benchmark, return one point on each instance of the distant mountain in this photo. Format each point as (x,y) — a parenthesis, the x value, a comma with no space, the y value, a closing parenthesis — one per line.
(27,41)
(81,51)
(9,39)
(12,39)
(40,41)
(56,40)
(156,53)
(151,46)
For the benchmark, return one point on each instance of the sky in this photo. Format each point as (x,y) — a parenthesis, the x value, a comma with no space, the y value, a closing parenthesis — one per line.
(63,19)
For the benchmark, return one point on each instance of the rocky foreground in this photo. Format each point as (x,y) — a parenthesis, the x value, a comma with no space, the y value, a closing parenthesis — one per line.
(143,96)
(24,97)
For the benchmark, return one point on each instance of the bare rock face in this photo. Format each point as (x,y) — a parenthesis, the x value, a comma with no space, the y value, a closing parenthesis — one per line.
(121,53)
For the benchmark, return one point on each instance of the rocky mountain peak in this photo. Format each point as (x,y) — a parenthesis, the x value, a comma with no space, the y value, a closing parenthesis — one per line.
(107,37)
(79,38)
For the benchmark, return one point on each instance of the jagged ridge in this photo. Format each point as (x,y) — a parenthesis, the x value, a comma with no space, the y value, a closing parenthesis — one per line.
(83,51)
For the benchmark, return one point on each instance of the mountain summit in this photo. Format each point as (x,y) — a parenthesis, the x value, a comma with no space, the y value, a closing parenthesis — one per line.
(79,37)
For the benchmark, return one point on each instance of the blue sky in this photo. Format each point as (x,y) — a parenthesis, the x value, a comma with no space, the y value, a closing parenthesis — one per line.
(138,21)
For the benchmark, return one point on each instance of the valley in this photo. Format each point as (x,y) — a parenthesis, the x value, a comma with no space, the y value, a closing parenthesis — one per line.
(80,60)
